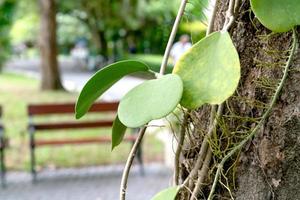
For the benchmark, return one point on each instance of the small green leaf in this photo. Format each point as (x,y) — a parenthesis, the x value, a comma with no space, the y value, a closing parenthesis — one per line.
(118,132)
(277,15)
(210,71)
(167,194)
(150,100)
(103,80)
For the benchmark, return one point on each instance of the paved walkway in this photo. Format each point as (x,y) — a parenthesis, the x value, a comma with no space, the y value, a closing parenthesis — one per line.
(73,78)
(93,183)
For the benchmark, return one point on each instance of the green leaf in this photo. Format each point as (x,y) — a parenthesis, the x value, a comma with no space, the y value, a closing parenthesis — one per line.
(118,132)
(167,194)
(150,100)
(277,15)
(210,71)
(103,80)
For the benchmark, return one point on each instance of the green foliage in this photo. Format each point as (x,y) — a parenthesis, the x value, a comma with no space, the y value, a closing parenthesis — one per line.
(150,100)
(159,11)
(7,8)
(146,22)
(108,15)
(277,15)
(210,71)
(167,194)
(196,28)
(103,80)
(195,10)
(69,30)
(25,28)
(118,132)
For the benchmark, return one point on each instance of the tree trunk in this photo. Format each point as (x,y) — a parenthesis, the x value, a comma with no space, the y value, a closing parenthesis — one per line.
(268,167)
(103,44)
(50,72)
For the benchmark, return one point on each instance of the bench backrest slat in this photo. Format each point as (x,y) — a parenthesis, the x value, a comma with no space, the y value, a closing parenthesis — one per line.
(45,109)
(72,125)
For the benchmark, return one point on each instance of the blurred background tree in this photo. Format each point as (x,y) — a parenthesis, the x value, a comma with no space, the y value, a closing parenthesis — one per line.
(48,46)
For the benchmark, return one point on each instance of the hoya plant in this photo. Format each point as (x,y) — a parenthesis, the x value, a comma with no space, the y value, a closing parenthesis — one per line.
(207,75)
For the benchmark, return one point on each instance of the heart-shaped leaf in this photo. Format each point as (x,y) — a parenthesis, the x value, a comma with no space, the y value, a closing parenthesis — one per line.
(103,80)
(210,71)
(150,100)
(167,194)
(118,132)
(277,15)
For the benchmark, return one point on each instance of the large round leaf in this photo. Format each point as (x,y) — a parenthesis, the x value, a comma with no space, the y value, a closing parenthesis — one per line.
(210,71)
(277,15)
(150,100)
(167,194)
(103,80)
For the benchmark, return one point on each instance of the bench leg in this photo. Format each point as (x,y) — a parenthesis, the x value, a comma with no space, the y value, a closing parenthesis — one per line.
(33,170)
(3,169)
(139,153)
(32,154)
(139,156)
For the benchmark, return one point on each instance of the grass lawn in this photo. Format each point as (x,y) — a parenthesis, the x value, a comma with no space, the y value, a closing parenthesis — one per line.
(16,92)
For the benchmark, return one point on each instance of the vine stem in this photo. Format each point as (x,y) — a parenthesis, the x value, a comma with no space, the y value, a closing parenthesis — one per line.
(172,36)
(179,148)
(230,15)
(264,117)
(129,163)
(141,134)
(204,146)
(202,174)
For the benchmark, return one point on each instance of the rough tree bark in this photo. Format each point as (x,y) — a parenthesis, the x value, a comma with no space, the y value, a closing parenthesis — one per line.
(268,167)
(48,49)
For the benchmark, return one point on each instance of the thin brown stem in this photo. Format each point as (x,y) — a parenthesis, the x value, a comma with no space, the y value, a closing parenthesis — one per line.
(204,147)
(202,175)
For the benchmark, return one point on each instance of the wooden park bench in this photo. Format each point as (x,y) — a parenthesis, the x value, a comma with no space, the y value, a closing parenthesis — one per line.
(3,144)
(57,110)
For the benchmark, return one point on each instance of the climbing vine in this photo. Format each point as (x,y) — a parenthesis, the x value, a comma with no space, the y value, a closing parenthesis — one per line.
(207,74)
